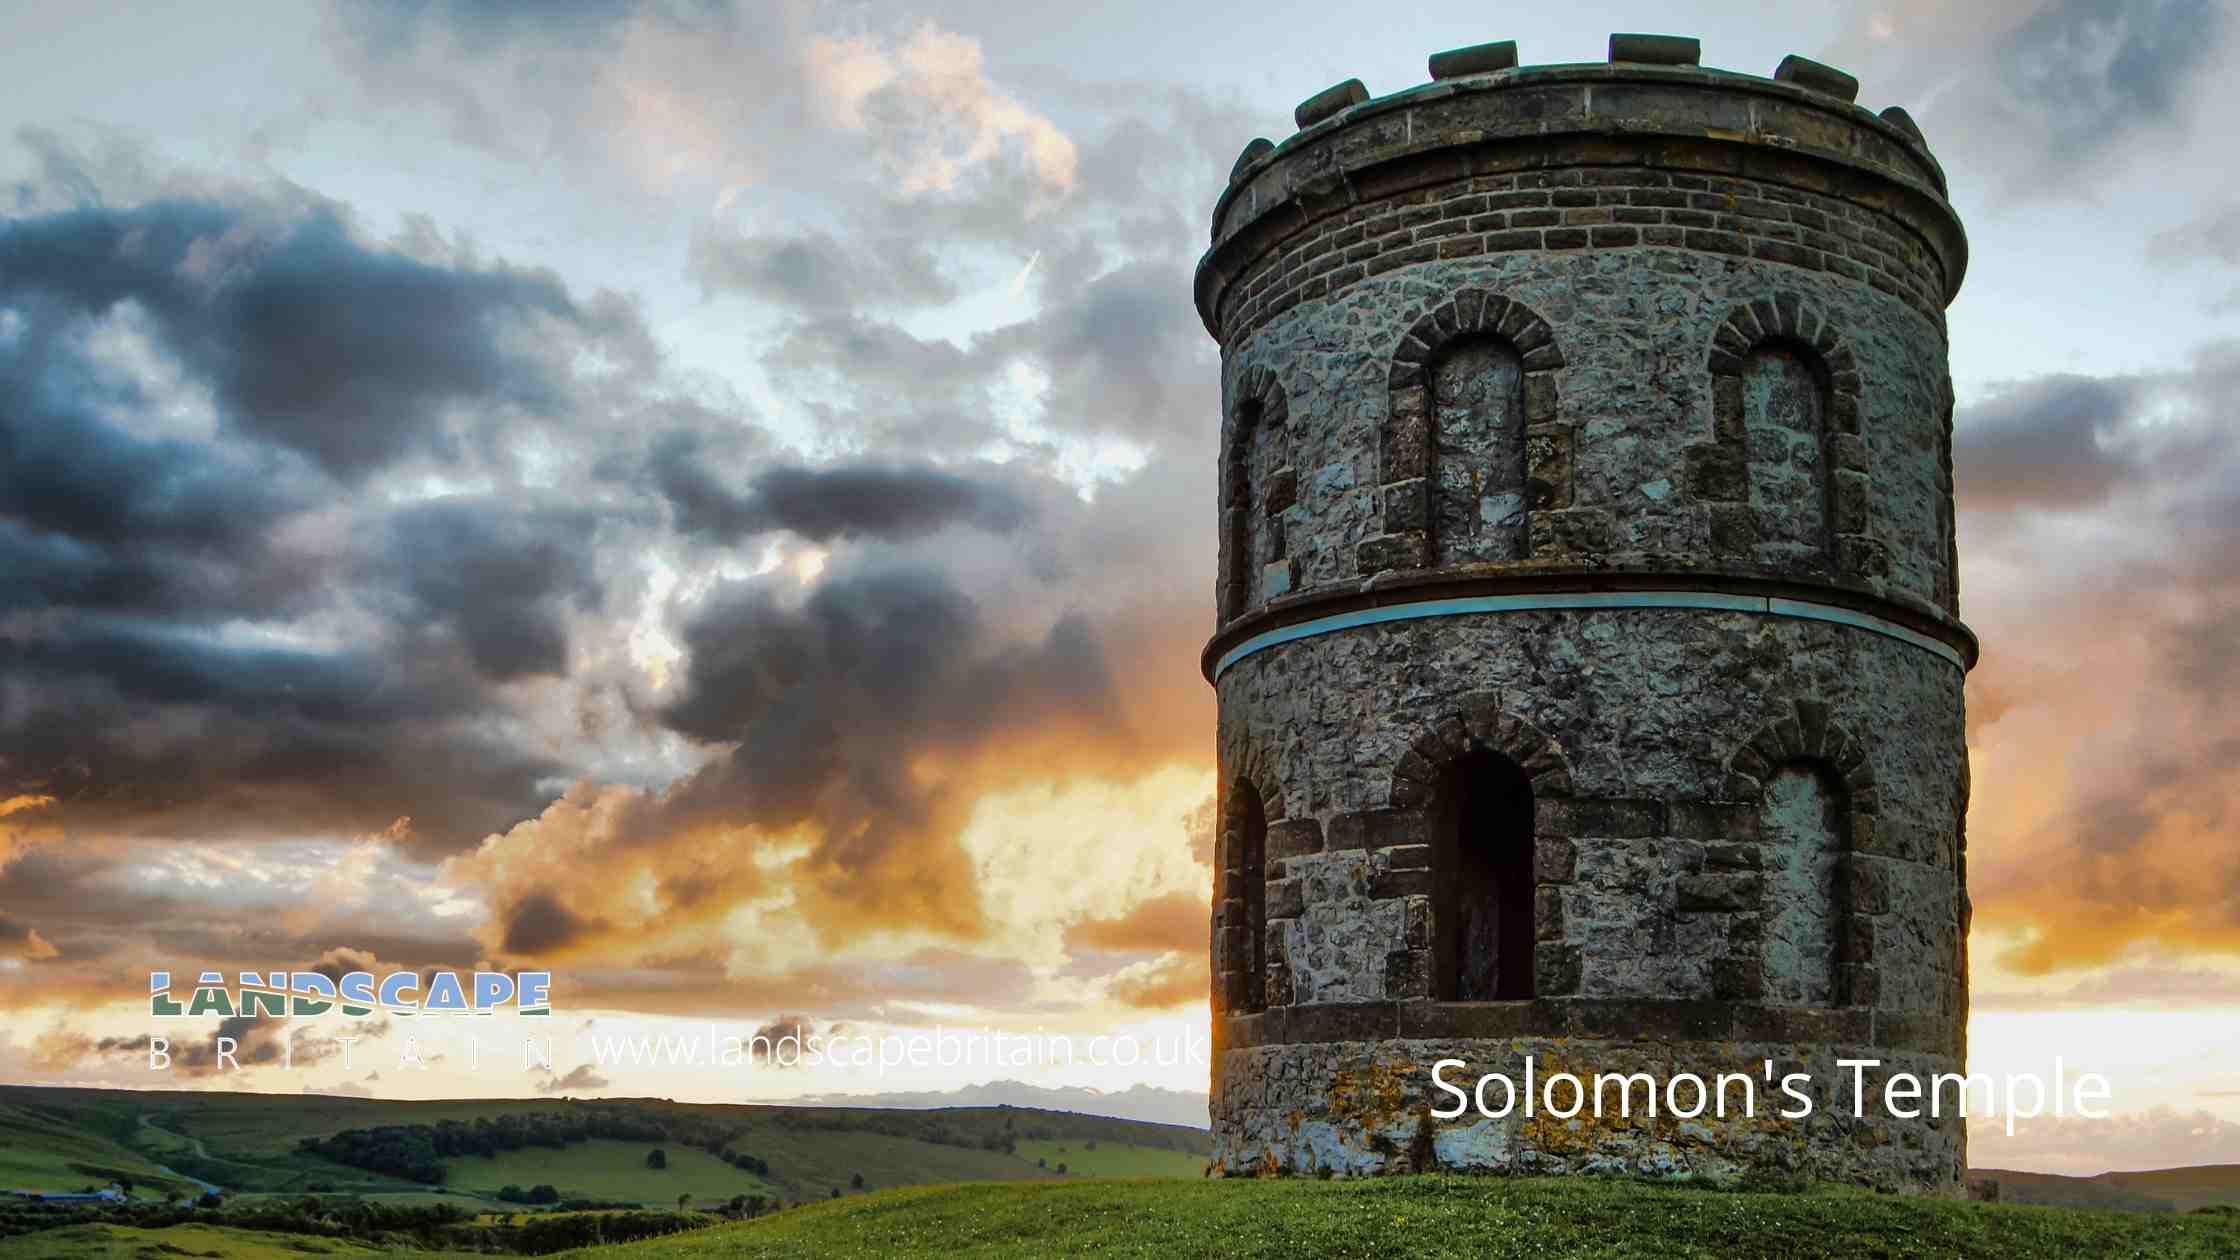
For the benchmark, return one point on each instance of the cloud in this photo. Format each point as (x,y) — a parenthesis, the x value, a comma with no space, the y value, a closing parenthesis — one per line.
(20,940)
(1174,921)
(1176,980)
(929,102)
(336,558)
(2044,98)
(708,100)
(538,925)
(580,1079)
(814,273)
(2163,1137)
(2214,236)
(842,501)
(308,339)
(2101,524)
(779,1042)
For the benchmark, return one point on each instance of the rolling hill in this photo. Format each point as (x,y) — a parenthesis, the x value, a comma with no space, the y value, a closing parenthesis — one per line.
(169,1142)
(1407,1218)
(2153,1190)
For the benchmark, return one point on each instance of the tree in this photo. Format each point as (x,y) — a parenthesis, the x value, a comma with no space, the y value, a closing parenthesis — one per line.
(856,1182)
(1042,1163)
(1061,1168)
(684,1200)
(657,1158)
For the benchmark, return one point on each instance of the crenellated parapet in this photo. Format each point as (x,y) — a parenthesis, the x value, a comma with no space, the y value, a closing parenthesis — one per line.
(1494,126)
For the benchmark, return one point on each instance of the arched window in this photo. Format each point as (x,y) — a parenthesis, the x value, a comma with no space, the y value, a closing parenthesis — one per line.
(1801,821)
(1257,486)
(1477,451)
(1248,838)
(1785,473)
(1456,480)
(1785,435)
(1238,495)
(1482,887)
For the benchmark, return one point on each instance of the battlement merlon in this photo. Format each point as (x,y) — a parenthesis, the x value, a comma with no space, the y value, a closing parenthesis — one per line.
(1649,106)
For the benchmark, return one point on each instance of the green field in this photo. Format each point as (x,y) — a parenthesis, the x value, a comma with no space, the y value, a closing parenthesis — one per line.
(247,1144)
(1432,1218)
(1113,1159)
(43,1151)
(601,1169)
(97,1242)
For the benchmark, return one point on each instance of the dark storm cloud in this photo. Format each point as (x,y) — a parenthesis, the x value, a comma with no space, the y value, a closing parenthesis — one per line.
(20,940)
(2095,70)
(539,925)
(160,569)
(840,501)
(504,576)
(580,1079)
(2043,442)
(194,1049)
(764,1043)
(814,273)
(829,700)
(310,340)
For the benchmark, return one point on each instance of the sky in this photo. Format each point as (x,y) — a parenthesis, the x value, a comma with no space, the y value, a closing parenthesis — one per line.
(716,501)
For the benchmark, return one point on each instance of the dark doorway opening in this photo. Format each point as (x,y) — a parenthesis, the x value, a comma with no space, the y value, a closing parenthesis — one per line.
(1482,897)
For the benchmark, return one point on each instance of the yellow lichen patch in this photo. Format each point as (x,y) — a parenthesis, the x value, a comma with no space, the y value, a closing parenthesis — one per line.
(1372,1097)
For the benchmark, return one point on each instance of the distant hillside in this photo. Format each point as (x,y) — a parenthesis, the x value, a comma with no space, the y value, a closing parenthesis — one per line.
(1409,1217)
(2156,1190)
(170,1142)
(1140,1102)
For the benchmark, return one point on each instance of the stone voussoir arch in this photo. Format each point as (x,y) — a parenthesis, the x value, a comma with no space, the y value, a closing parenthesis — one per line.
(1719,473)
(1260,405)
(1808,736)
(1479,722)
(1407,436)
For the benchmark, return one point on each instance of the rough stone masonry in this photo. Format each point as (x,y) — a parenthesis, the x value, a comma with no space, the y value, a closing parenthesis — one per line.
(1588,654)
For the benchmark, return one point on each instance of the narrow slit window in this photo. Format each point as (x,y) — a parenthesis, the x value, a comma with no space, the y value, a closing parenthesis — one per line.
(1252,876)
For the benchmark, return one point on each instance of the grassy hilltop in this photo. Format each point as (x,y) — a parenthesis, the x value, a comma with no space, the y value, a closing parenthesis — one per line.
(984,1182)
(1403,1218)
(1399,1218)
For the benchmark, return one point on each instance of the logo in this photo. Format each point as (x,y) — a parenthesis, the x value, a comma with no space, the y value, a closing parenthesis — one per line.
(281,994)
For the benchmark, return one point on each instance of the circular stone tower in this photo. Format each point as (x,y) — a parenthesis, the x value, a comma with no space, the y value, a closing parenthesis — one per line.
(1588,656)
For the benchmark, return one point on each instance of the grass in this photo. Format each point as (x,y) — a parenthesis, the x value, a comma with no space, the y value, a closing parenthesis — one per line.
(602,1169)
(97,1242)
(246,1143)
(1113,1159)
(1429,1218)
(39,1151)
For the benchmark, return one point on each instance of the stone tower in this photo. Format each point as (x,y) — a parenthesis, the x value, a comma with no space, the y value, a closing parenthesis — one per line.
(1588,655)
